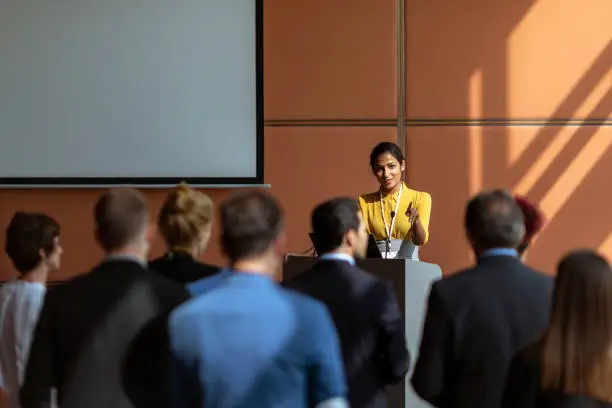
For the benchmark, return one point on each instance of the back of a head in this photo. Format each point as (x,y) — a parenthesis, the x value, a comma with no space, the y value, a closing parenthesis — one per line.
(26,235)
(251,220)
(185,216)
(121,217)
(493,219)
(332,220)
(578,341)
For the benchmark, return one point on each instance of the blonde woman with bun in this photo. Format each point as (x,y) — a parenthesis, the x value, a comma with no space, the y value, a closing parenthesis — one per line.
(185,222)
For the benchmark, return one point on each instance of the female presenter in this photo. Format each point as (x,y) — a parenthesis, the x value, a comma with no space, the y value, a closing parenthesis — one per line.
(396,215)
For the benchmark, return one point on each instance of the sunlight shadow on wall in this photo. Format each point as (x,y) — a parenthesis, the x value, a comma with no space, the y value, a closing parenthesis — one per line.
(475,134)
(553,45)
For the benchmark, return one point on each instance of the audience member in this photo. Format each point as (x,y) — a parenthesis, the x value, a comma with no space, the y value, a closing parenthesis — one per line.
(249,342)
(87,325)
(571,365)
(478,318)
(185,222)
(364,308)
(534,222)
(120,334)
(33,245)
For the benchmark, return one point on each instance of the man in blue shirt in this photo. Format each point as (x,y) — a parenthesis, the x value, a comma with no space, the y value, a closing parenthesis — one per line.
(244,341)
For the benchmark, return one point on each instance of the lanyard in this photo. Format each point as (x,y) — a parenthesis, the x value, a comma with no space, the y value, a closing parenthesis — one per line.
(382,209)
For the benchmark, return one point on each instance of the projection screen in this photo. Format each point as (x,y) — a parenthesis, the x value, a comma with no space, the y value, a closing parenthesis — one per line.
(152,92)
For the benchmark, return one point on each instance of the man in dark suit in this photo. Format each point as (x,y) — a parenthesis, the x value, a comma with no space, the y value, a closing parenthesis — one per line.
(364,308)
(479,317)
(87,325)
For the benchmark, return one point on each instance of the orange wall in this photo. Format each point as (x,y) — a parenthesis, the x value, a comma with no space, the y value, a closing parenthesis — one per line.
(534,68)
(533,71)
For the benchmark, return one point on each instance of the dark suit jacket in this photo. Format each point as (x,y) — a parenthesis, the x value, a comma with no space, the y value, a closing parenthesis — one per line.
(181,267)
(369,323)
(85,330)
(523,388)
(476,320)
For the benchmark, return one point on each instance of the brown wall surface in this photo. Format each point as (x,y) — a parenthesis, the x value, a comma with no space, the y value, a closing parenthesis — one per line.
(497,93)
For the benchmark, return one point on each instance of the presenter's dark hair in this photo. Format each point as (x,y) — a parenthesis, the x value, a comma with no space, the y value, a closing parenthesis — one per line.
(251,221)
(493,219)
(121,215)
(26,235)
(386,147)
(332,219)
(576,344)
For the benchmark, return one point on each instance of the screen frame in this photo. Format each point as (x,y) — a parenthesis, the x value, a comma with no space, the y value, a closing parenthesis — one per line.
(160,182)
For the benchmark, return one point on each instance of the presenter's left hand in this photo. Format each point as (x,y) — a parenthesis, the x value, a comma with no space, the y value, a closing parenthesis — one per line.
(413,214)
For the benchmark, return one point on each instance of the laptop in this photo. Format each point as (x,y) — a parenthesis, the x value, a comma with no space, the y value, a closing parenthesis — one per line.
(372,251)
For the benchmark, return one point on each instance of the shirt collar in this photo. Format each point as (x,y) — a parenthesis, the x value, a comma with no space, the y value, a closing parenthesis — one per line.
(230,273)
(500,252)
(395,194)
(337,257)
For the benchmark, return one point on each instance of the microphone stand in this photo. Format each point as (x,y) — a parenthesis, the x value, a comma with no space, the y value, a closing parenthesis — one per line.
(388,247)
(388,240)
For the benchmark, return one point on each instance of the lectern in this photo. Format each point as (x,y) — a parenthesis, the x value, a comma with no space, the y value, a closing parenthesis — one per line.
(411,280)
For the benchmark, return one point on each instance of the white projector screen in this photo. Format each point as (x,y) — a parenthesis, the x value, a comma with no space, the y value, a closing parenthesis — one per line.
(97,92)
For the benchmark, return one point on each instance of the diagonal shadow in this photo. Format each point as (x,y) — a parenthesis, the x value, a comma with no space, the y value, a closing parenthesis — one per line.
(461,48)
(579,139)
(581,91)
(581,224)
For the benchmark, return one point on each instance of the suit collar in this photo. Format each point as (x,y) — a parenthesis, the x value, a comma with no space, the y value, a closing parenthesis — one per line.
(337,257)
(125,258)
(499,259)
(179,254)
(496,255)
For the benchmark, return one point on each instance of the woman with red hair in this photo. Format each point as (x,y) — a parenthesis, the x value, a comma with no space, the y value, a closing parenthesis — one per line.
(534,221)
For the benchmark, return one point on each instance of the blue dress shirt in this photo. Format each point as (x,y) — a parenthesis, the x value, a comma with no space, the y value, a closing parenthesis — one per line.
(500,252)
(202,286)
(244,341)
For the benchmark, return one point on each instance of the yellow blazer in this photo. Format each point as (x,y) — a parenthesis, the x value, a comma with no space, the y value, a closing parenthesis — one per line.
(372,215)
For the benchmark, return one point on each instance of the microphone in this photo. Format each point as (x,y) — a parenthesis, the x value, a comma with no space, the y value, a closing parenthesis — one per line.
(392,214)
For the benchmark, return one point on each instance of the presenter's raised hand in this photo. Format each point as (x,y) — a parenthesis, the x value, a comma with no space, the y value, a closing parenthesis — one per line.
(412,213)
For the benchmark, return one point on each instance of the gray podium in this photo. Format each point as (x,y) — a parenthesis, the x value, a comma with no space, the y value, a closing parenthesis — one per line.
(411,280)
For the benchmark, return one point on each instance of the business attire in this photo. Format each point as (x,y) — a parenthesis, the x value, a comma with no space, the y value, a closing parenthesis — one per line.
(181,266)
(524,390)
(476,320)
(385,217)
(244,341)
(369,323)
(84,336)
